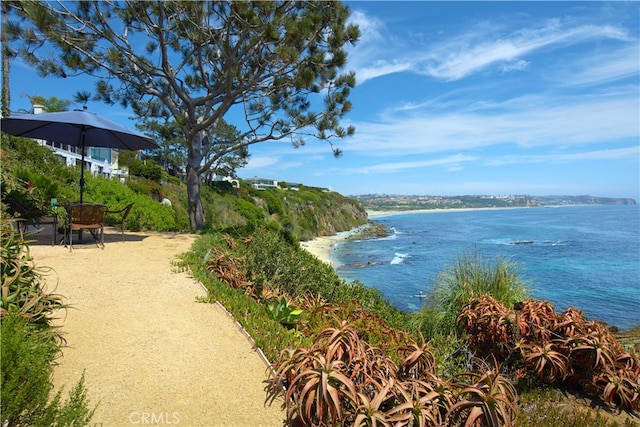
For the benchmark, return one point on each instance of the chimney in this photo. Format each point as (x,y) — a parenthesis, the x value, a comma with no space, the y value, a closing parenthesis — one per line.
(38,109)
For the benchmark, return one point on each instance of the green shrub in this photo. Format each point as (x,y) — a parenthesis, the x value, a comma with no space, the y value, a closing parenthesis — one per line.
(470,277)
(27,357)
(253,215)
(147,213)
(274,203)
(148,169)
(270,259)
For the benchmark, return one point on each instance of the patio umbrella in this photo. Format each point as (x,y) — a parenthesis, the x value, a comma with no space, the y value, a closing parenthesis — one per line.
(78,128)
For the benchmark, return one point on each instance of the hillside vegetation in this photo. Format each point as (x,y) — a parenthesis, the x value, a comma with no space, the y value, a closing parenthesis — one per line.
(479,353)
(32,176)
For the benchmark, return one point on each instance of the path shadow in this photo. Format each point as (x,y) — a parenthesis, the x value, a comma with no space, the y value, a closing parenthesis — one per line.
(43,236)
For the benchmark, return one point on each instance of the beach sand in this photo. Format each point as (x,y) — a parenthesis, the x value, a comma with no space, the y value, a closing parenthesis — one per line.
(151,354)
(322,247)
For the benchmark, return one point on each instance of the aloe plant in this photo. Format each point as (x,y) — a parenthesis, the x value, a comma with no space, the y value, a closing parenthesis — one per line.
(284,313)
(489,400)
(23,287)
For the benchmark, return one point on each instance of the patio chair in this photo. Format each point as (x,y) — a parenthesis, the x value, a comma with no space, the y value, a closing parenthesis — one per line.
(37,218)
(87,216)
(124,212)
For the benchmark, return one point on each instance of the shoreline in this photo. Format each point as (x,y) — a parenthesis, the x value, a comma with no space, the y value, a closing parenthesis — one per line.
(323,246)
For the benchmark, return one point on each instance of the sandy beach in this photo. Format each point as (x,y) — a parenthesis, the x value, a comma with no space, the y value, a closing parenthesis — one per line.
(322,247)
(150,353)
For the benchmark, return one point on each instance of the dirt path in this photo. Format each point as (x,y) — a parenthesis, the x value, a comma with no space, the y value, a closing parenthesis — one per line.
(151,354)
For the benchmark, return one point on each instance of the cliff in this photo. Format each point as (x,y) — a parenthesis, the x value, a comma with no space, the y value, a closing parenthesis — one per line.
(309,212)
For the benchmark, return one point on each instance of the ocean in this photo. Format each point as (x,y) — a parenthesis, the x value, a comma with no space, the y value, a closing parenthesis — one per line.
(586,257)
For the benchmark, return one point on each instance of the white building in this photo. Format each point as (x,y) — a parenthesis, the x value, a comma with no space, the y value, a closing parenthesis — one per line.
(97,161)
(262,183)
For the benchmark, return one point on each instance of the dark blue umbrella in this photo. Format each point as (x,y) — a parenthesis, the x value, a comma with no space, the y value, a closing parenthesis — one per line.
(77,128)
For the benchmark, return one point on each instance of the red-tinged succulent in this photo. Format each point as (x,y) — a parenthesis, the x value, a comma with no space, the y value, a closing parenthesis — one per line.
(228,269)
(321,392)
(490,401)
(371,411)
(569,323)
(418,361)
(535,320)
(620,389)
(376,366)
(341,343)
(547,364)
(314,304)
(590,352)
(418,405)
(488,325)
(291,363)
(230,241)
(628,361)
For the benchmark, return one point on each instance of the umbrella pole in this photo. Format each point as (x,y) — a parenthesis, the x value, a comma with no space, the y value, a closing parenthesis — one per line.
(82,144)
(82,165)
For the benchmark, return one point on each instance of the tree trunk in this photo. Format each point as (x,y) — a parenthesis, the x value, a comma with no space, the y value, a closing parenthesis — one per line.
(6,93)
(194,161)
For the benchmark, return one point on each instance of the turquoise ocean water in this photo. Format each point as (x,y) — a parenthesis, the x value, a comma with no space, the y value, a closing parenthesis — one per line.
(582,256)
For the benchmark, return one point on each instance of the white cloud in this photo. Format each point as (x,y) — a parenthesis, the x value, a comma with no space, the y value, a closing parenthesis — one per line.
(257,162)
(602,67)
(486,44)
(519,65)
(454,162)
(379,69)
(475,50)
(529,121)
(630,153)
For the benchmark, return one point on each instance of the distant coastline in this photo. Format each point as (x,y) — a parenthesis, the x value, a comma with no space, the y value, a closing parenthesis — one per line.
(376,203)
(371,213)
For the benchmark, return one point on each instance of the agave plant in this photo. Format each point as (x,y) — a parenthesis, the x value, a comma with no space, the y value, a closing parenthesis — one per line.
(283,312)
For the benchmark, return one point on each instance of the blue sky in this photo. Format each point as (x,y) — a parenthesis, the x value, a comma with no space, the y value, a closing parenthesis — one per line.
(458,98)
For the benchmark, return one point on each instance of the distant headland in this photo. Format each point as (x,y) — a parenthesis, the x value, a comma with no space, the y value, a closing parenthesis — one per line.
(378,202)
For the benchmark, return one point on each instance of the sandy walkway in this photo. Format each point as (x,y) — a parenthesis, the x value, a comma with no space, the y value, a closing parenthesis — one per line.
(152,355)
